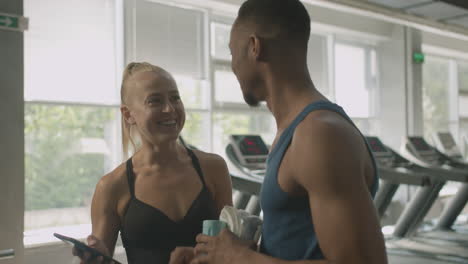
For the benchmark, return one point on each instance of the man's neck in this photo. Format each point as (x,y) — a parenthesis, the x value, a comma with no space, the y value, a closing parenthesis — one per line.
(288,97)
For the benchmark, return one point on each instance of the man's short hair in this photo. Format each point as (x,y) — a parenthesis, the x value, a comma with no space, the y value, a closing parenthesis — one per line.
(289,18)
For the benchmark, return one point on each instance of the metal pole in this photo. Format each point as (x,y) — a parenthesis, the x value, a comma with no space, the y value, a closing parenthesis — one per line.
(240,200)
(253,206)
(417,209)
(454,208)
(384,196)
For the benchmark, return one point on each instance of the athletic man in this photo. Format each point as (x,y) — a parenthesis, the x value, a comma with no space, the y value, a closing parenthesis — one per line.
(317,193)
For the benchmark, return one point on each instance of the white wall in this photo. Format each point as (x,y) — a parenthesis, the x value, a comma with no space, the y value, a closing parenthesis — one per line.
(344,23)
(445,42)
(60,253)
(54,253)
(392,88)
(11,136)
(320,16)
(414,92)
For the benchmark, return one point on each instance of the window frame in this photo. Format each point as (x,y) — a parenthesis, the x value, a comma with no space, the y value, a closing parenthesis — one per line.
(453,58)
(329,73)
(36,237)
(40,237)
(217,63)
(123,41)
(118,30)
(371,82)
(458,62)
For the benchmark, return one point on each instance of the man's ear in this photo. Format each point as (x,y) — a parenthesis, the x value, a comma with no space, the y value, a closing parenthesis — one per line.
(256,47)
(127,114)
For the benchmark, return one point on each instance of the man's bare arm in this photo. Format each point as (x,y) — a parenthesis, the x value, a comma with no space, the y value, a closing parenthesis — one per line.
(331,170)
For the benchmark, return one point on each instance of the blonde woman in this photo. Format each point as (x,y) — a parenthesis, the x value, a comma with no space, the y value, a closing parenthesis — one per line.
(160,196)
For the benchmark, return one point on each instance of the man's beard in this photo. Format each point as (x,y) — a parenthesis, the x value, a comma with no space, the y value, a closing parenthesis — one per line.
(250,99)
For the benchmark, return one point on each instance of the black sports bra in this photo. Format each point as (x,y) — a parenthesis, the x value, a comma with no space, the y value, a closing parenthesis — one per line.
(149,235)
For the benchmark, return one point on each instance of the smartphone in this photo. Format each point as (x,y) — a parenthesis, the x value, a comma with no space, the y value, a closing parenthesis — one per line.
(83,247)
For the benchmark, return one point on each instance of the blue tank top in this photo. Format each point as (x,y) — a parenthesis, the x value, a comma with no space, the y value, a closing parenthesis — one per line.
(288,232)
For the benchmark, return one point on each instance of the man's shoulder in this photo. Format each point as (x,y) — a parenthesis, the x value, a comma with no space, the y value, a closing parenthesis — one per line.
(327,146)
(325,128)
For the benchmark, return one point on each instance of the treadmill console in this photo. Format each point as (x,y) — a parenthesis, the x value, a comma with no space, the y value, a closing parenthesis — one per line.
(250,150)
(446,144)
(421,149)
(382,155)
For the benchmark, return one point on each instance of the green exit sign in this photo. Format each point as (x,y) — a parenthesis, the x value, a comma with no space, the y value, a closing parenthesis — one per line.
(418,57)
(13,22)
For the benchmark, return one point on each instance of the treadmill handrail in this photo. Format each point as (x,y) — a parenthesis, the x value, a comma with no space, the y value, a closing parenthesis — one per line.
(404,176)
(448,174)
(245,185)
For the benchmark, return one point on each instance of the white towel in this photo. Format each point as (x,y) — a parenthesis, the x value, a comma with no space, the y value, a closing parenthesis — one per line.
(241,223)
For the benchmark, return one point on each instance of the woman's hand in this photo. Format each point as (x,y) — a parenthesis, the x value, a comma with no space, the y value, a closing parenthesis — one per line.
(224,248)
(86,257)
(182,255)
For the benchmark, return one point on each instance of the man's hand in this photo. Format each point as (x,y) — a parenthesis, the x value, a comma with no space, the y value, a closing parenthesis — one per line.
(182,255)
(225,248)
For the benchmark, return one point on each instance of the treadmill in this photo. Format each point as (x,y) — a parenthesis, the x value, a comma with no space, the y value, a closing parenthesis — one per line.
(446,144)
(394,170)
(247,156)
(417,150)
(248,153)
